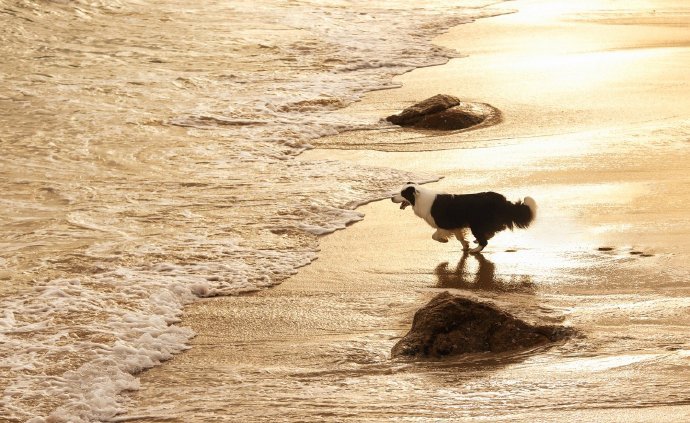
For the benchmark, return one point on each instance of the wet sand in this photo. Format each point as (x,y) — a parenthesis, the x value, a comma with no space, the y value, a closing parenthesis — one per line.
(596,126)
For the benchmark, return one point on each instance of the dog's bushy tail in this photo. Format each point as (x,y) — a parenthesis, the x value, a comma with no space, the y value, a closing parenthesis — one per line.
(522,213)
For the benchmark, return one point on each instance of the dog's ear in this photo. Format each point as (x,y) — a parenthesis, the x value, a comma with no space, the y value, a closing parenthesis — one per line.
(409,194)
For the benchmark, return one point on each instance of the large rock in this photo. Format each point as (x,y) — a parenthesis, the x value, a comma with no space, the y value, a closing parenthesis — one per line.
(452,325)
(446,112)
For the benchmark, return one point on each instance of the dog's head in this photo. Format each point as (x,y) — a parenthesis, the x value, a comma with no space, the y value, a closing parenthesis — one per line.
(406,196)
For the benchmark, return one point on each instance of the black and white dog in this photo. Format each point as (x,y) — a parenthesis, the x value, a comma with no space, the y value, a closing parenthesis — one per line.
(484,213)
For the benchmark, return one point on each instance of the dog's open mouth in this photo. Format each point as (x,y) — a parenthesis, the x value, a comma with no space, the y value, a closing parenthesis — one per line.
(403,203)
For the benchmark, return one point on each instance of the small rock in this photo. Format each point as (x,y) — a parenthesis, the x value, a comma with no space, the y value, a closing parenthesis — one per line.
(416,112)
(452,325)
(445,112)
(450,120)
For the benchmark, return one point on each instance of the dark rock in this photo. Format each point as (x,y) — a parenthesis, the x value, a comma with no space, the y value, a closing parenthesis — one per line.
(416,112)
(452,325)
(445,112)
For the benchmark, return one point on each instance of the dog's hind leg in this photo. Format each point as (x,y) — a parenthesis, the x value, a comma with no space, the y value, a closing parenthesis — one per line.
(481,239)
(477,249)
(441,235)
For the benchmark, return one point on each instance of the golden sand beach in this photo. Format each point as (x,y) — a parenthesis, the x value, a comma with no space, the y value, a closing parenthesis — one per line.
(596,107)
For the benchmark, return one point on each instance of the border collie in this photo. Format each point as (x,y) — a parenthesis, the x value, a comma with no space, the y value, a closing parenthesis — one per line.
(484,213)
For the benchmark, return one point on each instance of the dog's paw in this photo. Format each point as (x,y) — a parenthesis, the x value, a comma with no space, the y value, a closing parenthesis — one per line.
(477,249)
(439,239)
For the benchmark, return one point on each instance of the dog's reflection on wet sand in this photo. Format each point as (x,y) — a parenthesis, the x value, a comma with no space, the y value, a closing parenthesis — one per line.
(484,278)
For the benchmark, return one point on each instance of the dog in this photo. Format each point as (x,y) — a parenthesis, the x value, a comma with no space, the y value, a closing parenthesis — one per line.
(484,213)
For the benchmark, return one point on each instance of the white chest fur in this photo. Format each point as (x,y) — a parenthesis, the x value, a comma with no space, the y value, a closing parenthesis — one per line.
(422,206)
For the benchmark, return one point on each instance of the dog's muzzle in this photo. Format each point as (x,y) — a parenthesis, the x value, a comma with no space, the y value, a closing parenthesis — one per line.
(403,203)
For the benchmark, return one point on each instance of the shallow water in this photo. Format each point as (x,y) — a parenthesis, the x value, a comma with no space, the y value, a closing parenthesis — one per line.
(148,159)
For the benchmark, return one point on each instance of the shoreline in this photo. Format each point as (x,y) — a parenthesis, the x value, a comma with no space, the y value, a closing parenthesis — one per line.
(360,294)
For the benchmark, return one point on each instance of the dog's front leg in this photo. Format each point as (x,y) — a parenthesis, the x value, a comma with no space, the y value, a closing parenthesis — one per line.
(460,235)
(441,235)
